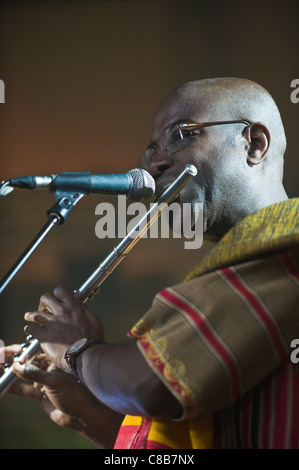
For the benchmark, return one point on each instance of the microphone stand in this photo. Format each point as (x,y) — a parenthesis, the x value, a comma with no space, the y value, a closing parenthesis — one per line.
(91,286)
(65,201)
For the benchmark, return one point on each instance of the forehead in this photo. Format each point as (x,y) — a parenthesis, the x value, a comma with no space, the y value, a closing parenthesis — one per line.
(178,106)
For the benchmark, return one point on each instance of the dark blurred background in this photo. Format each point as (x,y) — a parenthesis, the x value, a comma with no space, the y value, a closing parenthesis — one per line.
(82,80)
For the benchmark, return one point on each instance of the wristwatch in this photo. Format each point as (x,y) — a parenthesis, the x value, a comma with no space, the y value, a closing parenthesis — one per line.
(73,352)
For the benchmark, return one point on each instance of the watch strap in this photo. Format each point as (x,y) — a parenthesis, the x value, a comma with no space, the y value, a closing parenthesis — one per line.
(71,357)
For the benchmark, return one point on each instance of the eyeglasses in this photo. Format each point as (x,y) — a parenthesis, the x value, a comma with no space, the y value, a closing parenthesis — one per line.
(177,136)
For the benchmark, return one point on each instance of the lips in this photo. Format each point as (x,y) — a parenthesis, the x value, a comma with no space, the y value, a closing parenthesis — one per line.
(161,187)
(162,184)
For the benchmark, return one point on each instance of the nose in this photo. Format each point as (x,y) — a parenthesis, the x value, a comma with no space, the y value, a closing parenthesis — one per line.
(158,163)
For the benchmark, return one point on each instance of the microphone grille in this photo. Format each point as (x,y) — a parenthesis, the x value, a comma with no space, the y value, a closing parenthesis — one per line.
(142,185)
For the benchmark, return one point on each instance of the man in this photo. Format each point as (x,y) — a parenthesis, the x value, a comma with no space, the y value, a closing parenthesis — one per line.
(210,364)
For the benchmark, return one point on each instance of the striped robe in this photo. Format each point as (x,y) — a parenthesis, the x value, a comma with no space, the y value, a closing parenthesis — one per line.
(220,342)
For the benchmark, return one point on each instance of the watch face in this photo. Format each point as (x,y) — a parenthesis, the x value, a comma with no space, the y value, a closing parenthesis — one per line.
(77,346)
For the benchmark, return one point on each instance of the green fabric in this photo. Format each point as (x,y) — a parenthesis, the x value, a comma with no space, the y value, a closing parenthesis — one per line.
(274,228)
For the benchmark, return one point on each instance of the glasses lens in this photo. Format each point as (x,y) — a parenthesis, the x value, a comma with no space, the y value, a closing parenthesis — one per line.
(178,137)
(172,139)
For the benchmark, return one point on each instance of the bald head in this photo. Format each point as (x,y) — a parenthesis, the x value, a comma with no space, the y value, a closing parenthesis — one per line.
(237,98)
(240,164)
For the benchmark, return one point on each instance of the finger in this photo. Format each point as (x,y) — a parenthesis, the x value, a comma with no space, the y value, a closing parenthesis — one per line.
(8,354)
(64,294)
(41,317)
(12,348)
(34,330)
(41,361)
(10,351)
(27,390)
(49,303)
(39,357)
(31,373)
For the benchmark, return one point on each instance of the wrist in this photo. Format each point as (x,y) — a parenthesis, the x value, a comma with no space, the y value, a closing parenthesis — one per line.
(75,351)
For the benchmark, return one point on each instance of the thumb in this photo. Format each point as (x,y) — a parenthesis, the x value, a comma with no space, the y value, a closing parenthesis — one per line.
(30,372)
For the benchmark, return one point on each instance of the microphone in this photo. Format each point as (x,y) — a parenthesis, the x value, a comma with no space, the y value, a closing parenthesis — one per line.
(137,184)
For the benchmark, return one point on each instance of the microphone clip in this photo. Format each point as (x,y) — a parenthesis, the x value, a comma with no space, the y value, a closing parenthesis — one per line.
(5,188)
(63,206)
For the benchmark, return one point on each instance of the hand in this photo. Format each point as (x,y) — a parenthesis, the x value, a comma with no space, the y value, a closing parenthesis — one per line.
(52,387)
(61,320)
(66,402)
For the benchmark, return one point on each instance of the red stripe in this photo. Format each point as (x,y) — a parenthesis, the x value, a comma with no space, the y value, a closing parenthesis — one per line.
(141,440)
(175,384)
(294,441)
(133,436)
(264,316)
(281,398)
(282,390)
(126,436)
(290,265)
(245,422)
(267,412)
(210,337)
(157,445)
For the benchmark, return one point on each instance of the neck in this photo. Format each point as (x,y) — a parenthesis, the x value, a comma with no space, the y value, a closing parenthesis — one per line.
(219,228)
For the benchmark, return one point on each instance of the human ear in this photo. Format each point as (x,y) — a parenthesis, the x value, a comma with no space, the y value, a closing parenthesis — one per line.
(258,141)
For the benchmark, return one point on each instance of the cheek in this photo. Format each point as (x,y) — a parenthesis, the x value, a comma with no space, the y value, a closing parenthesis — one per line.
(143,162)
(192,193)
(192,201)
(204,156)
(214,164)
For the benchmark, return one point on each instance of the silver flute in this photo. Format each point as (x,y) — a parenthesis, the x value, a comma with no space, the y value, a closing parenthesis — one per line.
(91,286)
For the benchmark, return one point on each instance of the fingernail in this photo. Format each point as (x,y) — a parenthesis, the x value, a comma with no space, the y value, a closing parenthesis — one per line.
(18,366)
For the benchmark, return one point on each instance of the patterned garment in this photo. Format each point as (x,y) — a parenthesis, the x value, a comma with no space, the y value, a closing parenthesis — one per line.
(220,341)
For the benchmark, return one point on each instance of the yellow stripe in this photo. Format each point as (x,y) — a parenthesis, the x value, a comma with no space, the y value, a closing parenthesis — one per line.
(270,229)
(186,434)
(266,231)
(132,420)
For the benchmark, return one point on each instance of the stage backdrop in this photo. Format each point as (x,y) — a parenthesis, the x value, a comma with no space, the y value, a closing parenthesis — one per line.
(82,80)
